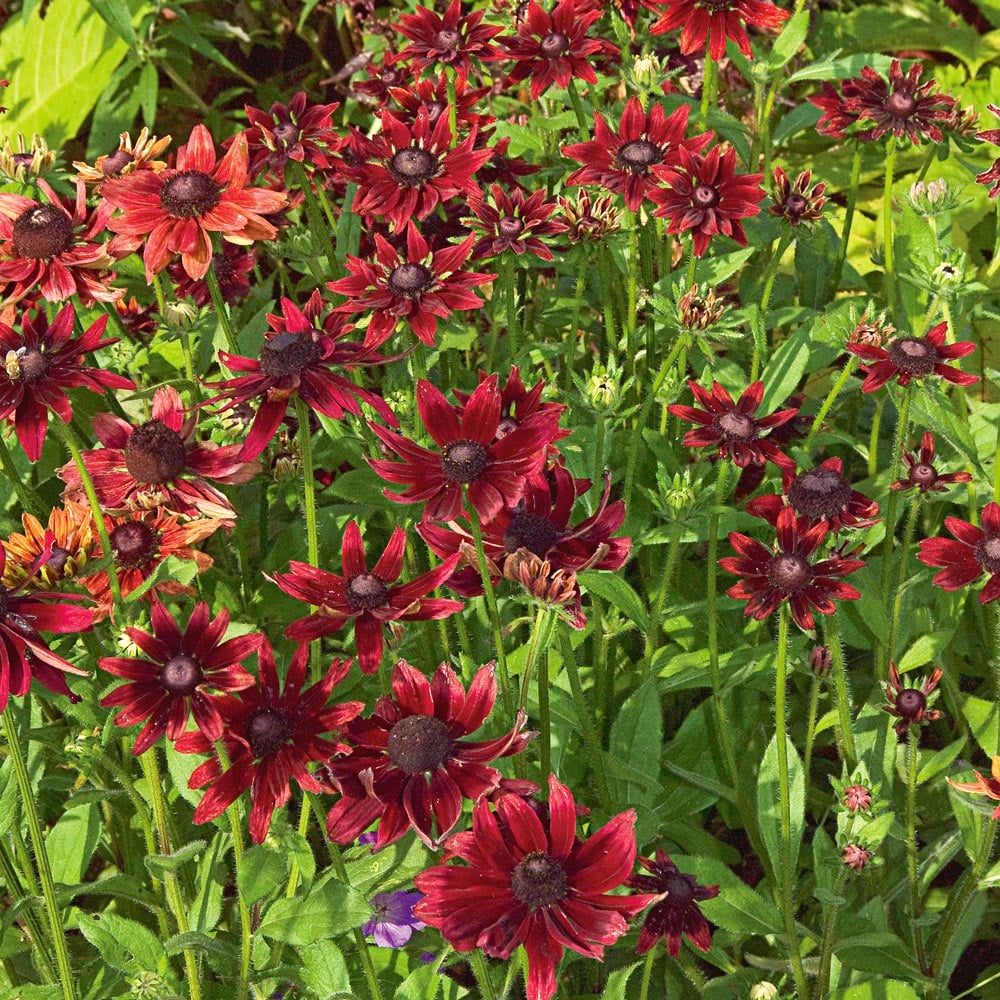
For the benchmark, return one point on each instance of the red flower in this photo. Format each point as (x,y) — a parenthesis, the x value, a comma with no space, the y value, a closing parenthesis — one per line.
(991,176)
(409,765)
(433,98)
(857,798)
(271,736)
(493,472)
(732,426)
(40,364)
(909,705)
(172,681)
(418,286)
(553,48)
(177,209)
(159,464)
(233,268)
(622,161)
(364,596)
(531,881)
(921,472)
(786,574)
(50,246)
(23,652)
(514,224)
(990,787)
(820,494)
(976,551)
(710,25)
(796,201)
(410,170)
(675,911)
(539,522)
(451,39)
(704,194)
(907,358)
(295,131)
(299,355)
(838,111)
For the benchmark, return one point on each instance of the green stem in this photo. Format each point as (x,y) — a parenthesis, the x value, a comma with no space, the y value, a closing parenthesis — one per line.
(831,397)
(709,85)
(761,318)
(151,769)
(309,507)
(873,436)
(653,633)
(890,269)
(845,731)
(811,718)
(912,761)
(221,309)
(246,933)
(481,971)
(574,326)
(829,926)
(66,976)
(904,556)
(632,222)
(852,201)
(581,115)
(510,301)
(321,228)
(647,974)
(787,875)
(29,500)
(539,643)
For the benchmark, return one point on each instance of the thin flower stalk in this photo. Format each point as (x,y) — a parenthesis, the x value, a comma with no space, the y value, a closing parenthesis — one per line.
(538,656)
(912,875)
(221,309)
(829,936)
(887,248)
(852,201)
(760,326)
(842,692)
(26,496)
(302,414)
(831,398)
(904,558)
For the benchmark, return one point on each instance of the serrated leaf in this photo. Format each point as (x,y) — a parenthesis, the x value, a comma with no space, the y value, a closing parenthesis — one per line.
(196,941)
(617,981)
(982,718)
(330,909)
(879,989)
(124,944)
(157,864)
(324,970)
(878,951)
(940,760)
(933,410)
(8,796)
(613,589)
(924,649)
(713,271)
(261,872)
(769,802)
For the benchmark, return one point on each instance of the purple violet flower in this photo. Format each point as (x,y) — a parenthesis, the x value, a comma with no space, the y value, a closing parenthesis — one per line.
(394,922)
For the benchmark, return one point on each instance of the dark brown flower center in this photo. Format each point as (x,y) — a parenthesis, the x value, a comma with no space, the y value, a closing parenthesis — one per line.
(680,889)
(154,453)
(413,166)
(285,133)
(464,461)
(288,354)
(180,674)
(434,110)
(531,532)
(705,196)
(788,572)
(267,732)
(638,156)
(554,45)
(134,544)
(506,426)
(23,160)
(735,426)
(189,194)
(901,105)
(510,227)
(33,364)
(419,743)
(913,355)
(910,703)
(819,493)
(366,591)
(923,475)
(58,558)
(795,204)
(447,39)
(538,881)
(113,164)
(987,553)
(42,232)
(409,280)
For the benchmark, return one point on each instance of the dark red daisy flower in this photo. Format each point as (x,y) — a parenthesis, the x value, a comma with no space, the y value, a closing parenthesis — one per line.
(820,494)
(530,880)
(513,222)
(553,49)
(921,473)
(451,39)
(785,573)
(838,112)
(990,787)
(233,268)
(907,358)
(295,131)
(909,704)
(51,247)
(492,470)
(622,161)
(303,354)
(433,98)
(733,427)
(416,286)
(365,597)
(903,106)
(23,651)
(991,176)
(391,72)
(176,210)
(40,364)
(704,194)
(159,464)
(503,169)
(138,319)
(795,201)
(271,735)
(409,170)
(976,551)
(410,765)
(675,908)
(141,541)
(539,522)
(174,678)
(711,24)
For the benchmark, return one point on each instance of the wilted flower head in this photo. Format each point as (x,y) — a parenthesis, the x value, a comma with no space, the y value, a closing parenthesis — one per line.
(72,534)
(871,332)
(590,219)
(795,200)
(126,159)
(699,312)
(28,160)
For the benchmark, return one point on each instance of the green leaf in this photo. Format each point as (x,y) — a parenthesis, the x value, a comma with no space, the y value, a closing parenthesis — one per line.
(933,410)
(261,872)
(9,797)
(785,370)
(877,989)
(330,909)
(124,944)
(982,718)
(939,760)
(769,798)
(157,864)
(62,63)
(713,271)
(613,589)
(118,18)
(72,841)
(793,34)
(880,952)
(925,649)
(324,970)
(815,251)
(148,89)
(737,908)
(196,941)
(388,869)
(637,740)
(617,981)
